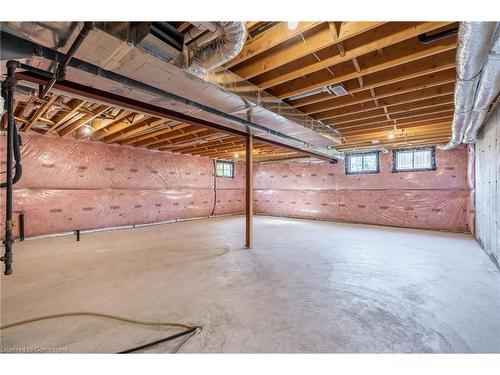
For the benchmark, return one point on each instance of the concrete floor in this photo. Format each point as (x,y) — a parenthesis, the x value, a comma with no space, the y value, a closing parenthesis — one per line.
(307,286)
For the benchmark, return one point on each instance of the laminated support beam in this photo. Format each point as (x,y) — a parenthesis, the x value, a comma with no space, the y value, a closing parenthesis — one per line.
(249,192)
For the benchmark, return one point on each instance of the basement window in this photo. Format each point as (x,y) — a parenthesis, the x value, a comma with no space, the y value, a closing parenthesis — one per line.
(361,163)
(414,159)
(224,169)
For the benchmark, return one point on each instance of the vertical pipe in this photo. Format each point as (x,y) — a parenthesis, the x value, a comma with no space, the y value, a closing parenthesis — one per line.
(8,92)
(21,226)
(249,192)
(78,234)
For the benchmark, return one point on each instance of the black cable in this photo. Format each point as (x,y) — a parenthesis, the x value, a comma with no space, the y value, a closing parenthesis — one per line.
(147,345)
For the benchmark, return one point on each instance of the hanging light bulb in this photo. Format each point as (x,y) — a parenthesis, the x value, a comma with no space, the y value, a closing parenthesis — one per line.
(293,25)
(87,130)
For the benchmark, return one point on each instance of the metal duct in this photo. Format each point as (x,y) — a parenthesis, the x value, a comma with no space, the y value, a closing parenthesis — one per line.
(474,42)
(215,31)
(488,89)
(231,37)
(219,91)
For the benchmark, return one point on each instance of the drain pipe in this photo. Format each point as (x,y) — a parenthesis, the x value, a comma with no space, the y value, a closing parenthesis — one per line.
(8,92)
(474,42)
(487,91)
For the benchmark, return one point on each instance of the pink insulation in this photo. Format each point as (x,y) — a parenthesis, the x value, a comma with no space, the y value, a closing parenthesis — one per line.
(319,190)
(69,185)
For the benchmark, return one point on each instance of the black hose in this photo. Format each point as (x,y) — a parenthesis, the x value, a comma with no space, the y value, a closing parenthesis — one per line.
(147,345)
(189,330)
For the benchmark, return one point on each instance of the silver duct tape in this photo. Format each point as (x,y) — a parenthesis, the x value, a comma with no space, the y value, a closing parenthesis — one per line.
(474,43)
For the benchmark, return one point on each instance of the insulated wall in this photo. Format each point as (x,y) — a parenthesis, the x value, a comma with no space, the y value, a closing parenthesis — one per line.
(319,190)
(487,186)
(69,184)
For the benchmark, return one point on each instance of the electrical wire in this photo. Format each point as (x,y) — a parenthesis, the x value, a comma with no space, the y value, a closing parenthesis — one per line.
(190,330)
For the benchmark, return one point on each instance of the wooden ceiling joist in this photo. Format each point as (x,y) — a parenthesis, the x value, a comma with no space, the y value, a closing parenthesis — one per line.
(268,39)
(385,35)
(312,41)
(400,92)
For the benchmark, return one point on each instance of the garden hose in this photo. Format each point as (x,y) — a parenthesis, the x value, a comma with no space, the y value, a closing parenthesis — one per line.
(189,330)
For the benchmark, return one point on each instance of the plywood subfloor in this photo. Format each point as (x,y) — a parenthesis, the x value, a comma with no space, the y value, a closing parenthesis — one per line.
(307,286)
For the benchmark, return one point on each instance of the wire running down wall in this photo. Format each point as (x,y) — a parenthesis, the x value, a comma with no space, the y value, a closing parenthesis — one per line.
(69,185)
(427,200)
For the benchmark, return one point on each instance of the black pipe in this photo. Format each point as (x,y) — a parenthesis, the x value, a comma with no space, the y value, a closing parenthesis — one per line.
(21,226)
(8,92)
(78,234)
(427,39)
(60,72)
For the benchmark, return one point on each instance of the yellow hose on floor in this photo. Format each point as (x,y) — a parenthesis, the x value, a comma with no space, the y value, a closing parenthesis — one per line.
(114,317)
(109,316)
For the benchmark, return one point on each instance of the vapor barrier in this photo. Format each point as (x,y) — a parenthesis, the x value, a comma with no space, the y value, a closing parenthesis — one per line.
(318,190)
(69,184)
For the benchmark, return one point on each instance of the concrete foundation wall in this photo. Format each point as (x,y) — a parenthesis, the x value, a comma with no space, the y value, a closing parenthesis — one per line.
(429,200)
(487,188)
(69,184)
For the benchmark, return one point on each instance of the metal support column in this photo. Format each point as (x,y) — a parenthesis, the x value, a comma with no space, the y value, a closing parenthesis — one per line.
(249,191)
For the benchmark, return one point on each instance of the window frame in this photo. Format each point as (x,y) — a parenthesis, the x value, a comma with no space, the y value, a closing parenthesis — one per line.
(413,149)
(349,155)
(226,162)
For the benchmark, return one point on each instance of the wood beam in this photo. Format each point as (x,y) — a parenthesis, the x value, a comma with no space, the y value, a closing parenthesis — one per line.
(168,140)
(132,119)
(40,112)
(404,123)
(385,35)
(389,66)
(146,123)
(313,41)
(153,136)
(362,121)
(85,119)
(366,109)
(222,140)
(393,94)
(399,54)
(62,117)
(269,39)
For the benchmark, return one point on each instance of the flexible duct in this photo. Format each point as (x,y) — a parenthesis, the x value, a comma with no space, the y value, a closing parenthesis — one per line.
(488,89)
(474,42)
(230,39)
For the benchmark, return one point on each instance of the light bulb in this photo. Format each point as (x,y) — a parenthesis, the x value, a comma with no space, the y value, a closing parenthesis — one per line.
(293,25)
